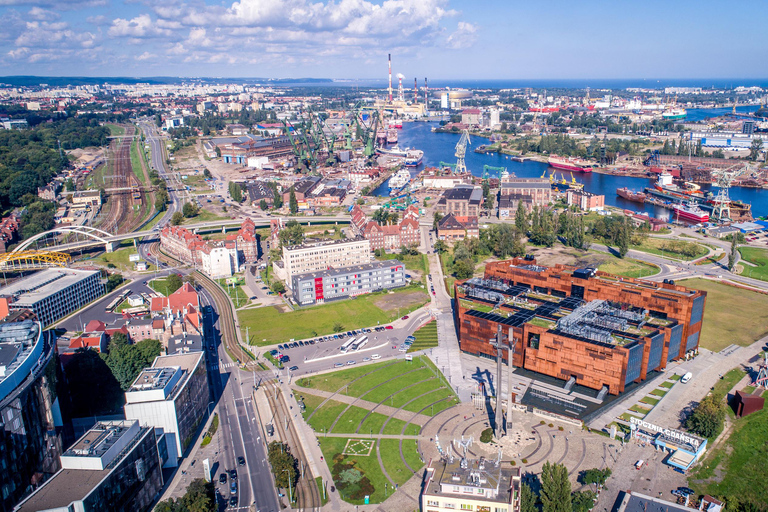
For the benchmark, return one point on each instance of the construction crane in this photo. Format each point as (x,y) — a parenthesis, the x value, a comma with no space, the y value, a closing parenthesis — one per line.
(721,204)
(461,151)
(499,171)
(446,164)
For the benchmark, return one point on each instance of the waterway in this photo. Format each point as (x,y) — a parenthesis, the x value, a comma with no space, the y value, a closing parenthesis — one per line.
(440,147)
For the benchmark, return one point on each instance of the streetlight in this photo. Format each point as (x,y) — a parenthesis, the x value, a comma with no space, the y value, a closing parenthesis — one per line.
(290,491)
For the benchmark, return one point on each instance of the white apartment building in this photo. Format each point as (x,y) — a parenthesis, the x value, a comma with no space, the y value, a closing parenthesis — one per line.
(315,257)
(471,486)
(220,262)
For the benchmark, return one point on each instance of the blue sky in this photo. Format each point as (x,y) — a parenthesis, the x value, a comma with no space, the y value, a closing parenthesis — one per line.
(440,39)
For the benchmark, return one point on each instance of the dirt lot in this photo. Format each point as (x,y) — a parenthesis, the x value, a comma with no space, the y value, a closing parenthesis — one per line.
(549,256)
(399,300)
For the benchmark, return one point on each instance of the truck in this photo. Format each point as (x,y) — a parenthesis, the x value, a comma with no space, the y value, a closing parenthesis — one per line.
(686,377)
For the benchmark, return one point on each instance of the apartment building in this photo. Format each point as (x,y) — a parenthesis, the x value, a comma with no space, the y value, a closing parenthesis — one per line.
(390,237)
(314,257)
(335,284)
(52,294)
(471,486)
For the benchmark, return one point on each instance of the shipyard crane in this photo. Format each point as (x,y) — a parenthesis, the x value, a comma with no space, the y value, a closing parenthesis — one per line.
(461,151)
(499,171)
(721,204)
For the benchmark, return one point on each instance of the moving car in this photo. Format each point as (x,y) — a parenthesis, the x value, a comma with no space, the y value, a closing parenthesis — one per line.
(639,464)
(389,327)
(338,365)
(233,487)
(241,461)
(406,317)
(375,357)
(293,368)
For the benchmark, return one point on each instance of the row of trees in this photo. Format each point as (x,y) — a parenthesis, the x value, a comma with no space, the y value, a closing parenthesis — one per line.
(555,490)
(200,497)
(284,465)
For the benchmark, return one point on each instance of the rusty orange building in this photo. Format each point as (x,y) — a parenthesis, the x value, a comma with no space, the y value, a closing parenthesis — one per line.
(582,325)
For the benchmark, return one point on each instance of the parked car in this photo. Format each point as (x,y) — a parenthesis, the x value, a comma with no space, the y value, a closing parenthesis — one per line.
(222,478)
(338,365)
(389,327)
(273,352)
(233,474)
(685,490)
(375,357)
(233,501)
(233,487)
(405,317)
(350,363)
(639,464)
(366,359)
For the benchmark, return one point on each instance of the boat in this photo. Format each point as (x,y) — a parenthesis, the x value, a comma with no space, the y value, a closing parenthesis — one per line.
(631,195)
(392,136)
(690,213)
(393,151)
(668,190)
(673,114)
(381,136)
(413,157)
(396,123)
(400,178)
(569,164)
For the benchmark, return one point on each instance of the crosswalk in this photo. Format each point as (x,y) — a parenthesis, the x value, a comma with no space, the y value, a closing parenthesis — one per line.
(224,366)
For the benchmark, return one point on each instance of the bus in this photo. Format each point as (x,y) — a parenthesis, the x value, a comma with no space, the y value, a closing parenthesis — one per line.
(360,343)
(117,300)
(347,345)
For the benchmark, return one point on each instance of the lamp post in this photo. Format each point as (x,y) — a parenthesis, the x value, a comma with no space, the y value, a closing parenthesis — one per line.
(290,491)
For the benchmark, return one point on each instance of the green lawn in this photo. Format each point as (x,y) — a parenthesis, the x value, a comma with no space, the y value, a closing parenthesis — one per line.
(236,293)
(114,130)
(335,380)
(324,417)
(351,419)
(671,248)
(395,427)
(658,392)
(159,286)
(667,384)
(393,463)
(640,410)
(737,467)
(412,262)
(726,382)
(675,377)
(136,163)
(627,267)
(363,472)
(626,416)
(323,492)
(725,324)
(426,337)
(411,454)
(649,400)
(758,257)
(120,259)
(269,325)
(204,216)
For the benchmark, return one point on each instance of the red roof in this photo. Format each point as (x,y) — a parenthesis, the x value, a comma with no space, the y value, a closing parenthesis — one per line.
(88,340)
(185,298)
(95,325)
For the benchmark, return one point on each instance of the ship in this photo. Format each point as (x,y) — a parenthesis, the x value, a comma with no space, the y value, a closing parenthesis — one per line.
(673,114)
(413,157)
(569,164)
(393,151)
(381,137)
(399,179)
(396,123)
(690,213)
(666,189)
(631,195)
(392,136)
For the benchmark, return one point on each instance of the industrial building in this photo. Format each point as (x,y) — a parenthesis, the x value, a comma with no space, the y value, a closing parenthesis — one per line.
(461,200)
(52,294)
(578,326)
(538,190)
(30,443)
(314,257)
(466,484)
(173,395)
(116,465)
(335,284)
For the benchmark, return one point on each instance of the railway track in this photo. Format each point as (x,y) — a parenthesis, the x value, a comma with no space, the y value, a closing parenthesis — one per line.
(119,217)
(305,488)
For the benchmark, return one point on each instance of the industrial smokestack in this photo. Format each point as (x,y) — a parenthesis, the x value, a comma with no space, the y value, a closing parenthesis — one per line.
(389,57)
(426,98)
(415,91)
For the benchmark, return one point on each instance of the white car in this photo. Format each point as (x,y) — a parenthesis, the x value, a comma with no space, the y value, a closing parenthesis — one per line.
(375,357)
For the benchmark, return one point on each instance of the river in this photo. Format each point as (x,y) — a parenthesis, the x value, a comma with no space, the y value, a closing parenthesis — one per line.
(439,147)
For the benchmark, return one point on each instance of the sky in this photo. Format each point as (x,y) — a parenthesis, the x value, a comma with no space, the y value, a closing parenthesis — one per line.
(440,39)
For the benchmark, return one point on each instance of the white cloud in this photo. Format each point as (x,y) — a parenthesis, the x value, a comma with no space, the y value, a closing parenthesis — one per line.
(146,56)
(58,35)
(464,36)
(65,5)
(141,26)
(40,14)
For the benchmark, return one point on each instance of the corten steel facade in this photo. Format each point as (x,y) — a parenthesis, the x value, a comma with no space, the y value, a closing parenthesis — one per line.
(537,298)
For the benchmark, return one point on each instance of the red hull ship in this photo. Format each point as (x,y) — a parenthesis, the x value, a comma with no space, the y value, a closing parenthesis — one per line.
(691,213)
(630,195)
(569,164)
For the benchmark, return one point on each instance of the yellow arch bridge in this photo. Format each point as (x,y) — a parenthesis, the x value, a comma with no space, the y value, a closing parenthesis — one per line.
(33,260)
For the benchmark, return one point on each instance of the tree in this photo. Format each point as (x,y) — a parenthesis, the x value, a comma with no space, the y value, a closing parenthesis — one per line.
(338,327)
(172,283)
(440,246)
(707,418)
(596,476)
(69,185)
(583,501)
(733,256)
(235,192)
(527,499)
(436,220)
(93,388)
(293,204)
(113,281)
(381,216)
(263,204)
(161,199)
(278,287)
(126,361)
(200,497)
(189,210)
(177,218)
(291,234)
(464,269)
(755,148)
(283,465)
(555,488)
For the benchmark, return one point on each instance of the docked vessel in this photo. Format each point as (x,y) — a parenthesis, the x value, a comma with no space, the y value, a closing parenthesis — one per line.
(381,136)
(393,151)
(673,114)
(569,164)
(396,123)
(413,157)
(666,189)
(392,136)
(690,213)
(631,195)
(399,179)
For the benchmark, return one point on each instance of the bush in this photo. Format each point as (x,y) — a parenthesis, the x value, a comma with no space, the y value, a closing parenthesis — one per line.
(486,435)
(551,425)
(524,461)
(513,463)
(542,422)
(560,429)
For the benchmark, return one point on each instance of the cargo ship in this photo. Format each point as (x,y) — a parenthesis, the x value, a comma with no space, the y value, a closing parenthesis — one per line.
(690,213)
(569,164)
(394,151)
(666,189)
(392,136)
(396,123)
(631,195)
(674,114)
(401,178)
(413,157)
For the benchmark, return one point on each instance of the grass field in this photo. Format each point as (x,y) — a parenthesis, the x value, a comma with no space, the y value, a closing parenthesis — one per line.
(736,468)
(120,259)
(159,286)
(390,456)
(136,163)
(236,293)
(731,315)
(649,400)
(628,268)
(726,383)
(759,258)
(426,337)
(203,216)
(114,130)
(412,262)
(269,325)
(368,477)
(671,248)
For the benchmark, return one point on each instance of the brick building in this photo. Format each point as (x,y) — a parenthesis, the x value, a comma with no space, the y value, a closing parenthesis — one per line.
(461,200)
(586,201)
(579,325)
(452,228)
(390,237)
(539,190)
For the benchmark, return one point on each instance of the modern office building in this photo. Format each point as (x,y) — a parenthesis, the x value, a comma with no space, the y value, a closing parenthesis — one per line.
(172,395)
(115,466)
(52,294)
(30,444)
(314,257)
(476,485)
(580,326)
(342,283)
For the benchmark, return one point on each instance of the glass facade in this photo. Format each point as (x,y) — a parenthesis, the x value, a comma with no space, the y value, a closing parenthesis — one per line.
(191,404)
(693,341)
(634,362)
(657,347)
(697,310)
(675,337)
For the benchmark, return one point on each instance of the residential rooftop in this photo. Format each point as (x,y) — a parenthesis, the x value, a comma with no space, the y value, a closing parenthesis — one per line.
(374,265)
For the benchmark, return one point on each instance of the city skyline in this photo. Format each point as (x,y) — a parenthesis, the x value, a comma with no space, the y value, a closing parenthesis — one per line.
(350,39)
